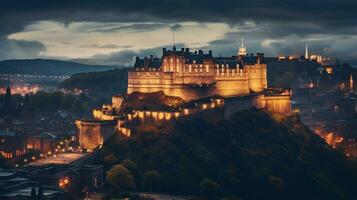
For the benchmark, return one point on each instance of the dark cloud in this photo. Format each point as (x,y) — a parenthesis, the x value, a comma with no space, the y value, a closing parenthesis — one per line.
(137,27)
(106,46)
(330,13)
(176,27)
(290,22)
(14,49)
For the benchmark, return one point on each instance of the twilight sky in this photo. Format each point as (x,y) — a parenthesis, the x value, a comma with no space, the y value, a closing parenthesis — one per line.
(113,31)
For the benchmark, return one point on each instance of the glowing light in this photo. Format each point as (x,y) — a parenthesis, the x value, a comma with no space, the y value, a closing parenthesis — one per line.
(64,182)
(167,116)
(161,115)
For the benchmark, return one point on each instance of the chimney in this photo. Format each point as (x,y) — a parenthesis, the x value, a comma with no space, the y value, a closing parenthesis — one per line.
(210,52)
(200,52)
(187,50)
(163,51)
(137,58)
(151,57)
(182,49)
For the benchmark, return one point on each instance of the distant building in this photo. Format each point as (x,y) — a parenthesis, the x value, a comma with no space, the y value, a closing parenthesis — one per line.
(56,181)
(12,144)
(42,142)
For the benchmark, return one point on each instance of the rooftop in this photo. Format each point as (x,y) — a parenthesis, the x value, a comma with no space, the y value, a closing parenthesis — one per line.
(64,158)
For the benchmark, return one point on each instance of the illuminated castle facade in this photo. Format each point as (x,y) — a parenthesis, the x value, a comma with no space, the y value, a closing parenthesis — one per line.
(194,75)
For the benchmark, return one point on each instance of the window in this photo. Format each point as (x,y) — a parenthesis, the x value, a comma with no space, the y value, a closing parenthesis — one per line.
(207,68)
(171,60)
(190,68)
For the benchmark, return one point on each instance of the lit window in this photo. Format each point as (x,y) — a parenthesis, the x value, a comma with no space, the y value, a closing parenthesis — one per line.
(190,68)
(207,68)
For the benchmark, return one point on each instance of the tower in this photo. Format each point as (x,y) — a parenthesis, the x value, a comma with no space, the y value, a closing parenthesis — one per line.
(242,49)
(306,52)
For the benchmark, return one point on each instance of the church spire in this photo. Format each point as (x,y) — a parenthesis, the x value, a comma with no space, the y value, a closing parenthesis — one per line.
(306,52)
(242,49)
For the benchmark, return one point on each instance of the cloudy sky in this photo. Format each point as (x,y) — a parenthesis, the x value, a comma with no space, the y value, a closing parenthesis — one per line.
(114,31)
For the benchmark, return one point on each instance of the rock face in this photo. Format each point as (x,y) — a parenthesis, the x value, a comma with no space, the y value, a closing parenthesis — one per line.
(92,134)
(153,101)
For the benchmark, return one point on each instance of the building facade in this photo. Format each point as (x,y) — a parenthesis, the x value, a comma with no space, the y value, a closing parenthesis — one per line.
(195,75)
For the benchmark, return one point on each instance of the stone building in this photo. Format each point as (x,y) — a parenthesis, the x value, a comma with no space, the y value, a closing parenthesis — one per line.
(276,100)
(195,75)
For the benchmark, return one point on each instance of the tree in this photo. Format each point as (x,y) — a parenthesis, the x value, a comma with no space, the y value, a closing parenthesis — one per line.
(120,178)
(152,179)
(210,189)
(276,182)
(130,165)
(111,160)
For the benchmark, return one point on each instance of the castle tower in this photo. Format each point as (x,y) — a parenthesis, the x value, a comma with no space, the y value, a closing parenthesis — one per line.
(242,49)
(306,52)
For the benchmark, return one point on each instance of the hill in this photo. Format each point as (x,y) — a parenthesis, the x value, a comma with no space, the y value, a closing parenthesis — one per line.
(108,82)
(47,67)
(250,156)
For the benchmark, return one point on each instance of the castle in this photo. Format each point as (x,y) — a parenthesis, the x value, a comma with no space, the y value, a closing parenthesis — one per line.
(194,75)
(204,83)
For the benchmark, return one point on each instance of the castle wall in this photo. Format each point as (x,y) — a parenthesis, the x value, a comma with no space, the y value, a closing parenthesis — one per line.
(257,77)
(276,104)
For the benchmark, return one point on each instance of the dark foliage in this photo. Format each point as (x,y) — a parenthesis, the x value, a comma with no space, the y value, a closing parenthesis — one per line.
(108,82)
(250,152)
